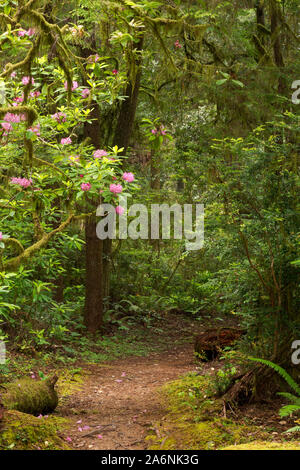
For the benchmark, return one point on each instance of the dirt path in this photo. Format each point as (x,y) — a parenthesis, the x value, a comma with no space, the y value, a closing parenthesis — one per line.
(119,400)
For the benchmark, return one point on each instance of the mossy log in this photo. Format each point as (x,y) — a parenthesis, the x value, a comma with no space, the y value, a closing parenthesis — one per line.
(22,431)
(210,342)
(31,396)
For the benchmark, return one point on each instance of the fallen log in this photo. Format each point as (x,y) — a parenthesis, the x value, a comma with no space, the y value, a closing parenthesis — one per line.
(209,343)
(31,396)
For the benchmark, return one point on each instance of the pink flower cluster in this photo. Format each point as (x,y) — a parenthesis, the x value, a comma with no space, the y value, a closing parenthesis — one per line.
(18,99)
(99,154)
(86,186)
(59,117)
(15,118)
(116,188)
(161,130)
(1,236)
(129,177)
(93,58)
(23,32)
(26,80)
(66,141)
(74,85)
(35,129)
(35,94)
(7,127)
(120,210)
(177,44)
(23,182)
(85,93)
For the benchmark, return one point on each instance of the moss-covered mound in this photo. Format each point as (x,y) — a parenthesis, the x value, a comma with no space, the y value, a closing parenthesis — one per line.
(20,431)
(31,396)
(264,445)
(196,421)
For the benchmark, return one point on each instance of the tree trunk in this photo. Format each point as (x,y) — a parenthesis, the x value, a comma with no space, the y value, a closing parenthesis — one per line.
(93,310)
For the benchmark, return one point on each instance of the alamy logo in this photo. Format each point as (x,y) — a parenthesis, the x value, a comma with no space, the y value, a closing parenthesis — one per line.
(188,222)
(2,92)
(2,352)
(296,354)
(296,94)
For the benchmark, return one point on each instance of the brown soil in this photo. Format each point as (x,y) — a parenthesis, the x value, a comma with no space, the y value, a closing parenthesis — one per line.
(119,401)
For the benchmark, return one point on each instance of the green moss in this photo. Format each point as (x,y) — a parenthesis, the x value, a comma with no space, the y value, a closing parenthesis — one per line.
(20,431)
(30,396)
(69,382)
(195,420)
(265,445)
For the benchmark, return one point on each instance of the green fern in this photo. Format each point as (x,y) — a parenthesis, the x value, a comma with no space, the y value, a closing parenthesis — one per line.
(286,410)
(289,380)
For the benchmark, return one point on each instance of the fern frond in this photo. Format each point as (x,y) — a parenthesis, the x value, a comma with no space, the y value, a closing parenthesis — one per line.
(289,380)
(288,410)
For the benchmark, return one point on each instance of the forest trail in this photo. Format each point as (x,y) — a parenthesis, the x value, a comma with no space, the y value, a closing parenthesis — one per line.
(119,401)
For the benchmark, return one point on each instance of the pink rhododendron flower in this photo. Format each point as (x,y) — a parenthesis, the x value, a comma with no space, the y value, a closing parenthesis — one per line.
(162,130)
(99,436)
(115,72)
(30,32)
(68,439)
(154,131)
(13,75)
(24,183)
(35,129)
(22,33)
(86,186)
(99,154)
(177,44)
(129,177)
(1,235)
(59,117)
(74,85)
(7,127)
(120,210)
(85,93)
(18,99)
(35,94)
(66,141)
(115,188)
(12,117)
(26,80)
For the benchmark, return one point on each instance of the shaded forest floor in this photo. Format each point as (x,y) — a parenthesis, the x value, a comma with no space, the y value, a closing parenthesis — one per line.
(116,403)
(119,402)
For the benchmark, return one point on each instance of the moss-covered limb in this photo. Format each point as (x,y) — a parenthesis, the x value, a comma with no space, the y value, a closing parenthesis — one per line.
(24,109)
(31,396)
(14,263)
(42,162)
(20,431)
(9,68)
(14,242)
